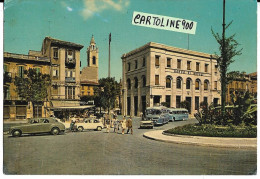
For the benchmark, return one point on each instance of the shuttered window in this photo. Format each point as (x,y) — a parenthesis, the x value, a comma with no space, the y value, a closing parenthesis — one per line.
(157,61)
(156,79)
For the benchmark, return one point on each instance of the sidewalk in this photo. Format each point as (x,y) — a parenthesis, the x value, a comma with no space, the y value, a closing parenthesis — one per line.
(203,141)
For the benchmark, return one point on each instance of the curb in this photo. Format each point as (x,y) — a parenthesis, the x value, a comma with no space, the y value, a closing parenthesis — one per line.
(177,140)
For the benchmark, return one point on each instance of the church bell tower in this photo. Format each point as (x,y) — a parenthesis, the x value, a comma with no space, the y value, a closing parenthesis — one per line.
(92,54)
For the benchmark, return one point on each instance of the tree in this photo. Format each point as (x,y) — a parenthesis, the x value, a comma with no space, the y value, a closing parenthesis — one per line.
(33,87)
(107,93)
(228,49)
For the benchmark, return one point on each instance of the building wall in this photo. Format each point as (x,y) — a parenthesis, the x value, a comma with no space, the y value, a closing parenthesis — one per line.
(151,91)
(11,100)
(87,90)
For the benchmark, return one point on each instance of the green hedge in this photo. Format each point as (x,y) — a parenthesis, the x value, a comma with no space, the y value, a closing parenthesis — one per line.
(214,131)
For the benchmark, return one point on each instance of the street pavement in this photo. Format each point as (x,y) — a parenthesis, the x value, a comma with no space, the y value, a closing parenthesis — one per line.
(101,153)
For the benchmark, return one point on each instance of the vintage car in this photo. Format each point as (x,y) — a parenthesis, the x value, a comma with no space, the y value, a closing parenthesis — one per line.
(146,124)
(38,125)
(90,124)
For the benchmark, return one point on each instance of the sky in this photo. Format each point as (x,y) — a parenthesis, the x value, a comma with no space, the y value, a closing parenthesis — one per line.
(28,22)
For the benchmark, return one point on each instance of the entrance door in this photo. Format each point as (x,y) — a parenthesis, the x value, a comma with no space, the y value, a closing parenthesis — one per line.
(128,105)
(188,99)
(156,100)
(135,105)
(215,101)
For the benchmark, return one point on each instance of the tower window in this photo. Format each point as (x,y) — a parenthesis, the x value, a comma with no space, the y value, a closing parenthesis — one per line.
(94,60)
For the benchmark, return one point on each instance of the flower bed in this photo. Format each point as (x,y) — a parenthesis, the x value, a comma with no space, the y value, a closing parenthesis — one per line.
(214,131)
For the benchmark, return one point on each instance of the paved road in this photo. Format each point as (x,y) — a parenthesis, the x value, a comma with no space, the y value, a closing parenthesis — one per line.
(94,152)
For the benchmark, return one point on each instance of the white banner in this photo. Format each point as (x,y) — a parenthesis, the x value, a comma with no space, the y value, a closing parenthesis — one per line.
(164,22)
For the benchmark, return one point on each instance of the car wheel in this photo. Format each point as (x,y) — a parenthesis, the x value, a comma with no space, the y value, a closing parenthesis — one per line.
(99,128)
(55,131)
(80,129)
(16,133)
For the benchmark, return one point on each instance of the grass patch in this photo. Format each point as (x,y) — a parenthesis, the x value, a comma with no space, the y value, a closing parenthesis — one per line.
(215,131)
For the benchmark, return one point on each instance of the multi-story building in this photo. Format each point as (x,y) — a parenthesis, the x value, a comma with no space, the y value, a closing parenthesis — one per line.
(65,71)
(89,74)
(243,83)
(156,73)
(16,108)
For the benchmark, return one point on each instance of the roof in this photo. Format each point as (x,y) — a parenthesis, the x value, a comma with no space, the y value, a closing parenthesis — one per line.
(62,42)
(89,82)
(167,48)
(157,107)
(177,109)
(254,74)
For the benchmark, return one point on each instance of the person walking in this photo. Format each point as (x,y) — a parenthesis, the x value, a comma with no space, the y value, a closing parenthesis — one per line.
(130,125)
(123,125)
(73,121)
(115,123)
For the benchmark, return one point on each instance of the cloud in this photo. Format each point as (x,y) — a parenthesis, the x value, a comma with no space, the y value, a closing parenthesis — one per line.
(69,8)
(92,7)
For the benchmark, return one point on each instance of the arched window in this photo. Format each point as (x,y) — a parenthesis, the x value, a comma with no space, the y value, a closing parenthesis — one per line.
(136,82)
(94,60)
(128,83)
(188,83)
(168,82)
(178,83)
(144,81)
(206,85)
(197,84)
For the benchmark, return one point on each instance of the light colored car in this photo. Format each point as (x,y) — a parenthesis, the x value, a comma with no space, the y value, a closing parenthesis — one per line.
(146,124)
(38,125)
(90,124)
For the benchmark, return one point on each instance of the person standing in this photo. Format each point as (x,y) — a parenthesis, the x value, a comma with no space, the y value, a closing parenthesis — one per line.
(130,125)
(123,125)
(115,123)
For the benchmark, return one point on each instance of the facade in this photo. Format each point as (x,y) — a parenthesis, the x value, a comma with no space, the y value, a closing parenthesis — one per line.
(14,65)
(246,82)
(89,74)
(156,73)
(64,72)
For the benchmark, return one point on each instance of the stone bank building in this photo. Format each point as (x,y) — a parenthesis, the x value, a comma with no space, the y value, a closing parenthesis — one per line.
(155,73)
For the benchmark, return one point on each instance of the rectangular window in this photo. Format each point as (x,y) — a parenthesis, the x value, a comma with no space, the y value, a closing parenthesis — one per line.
(178,101)
(178,64)
(129,66)
(55,73)
(205,100)
(156,79)
(216,68)
(168,100)
(169,62)
(157,60)
(197,102)
(38,70)
(55,53)
(21,71)
(55,90)
(206,68)
(6,92)
(143,61)
(188,65)
(215,85)
(136,64)
(197,66)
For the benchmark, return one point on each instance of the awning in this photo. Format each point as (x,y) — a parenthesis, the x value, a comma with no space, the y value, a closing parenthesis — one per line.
(60,108)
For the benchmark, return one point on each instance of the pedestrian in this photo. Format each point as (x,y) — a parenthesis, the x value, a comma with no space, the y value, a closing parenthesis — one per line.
(123,125)
(130,125)
(73,121)
(108,125)
(115,125)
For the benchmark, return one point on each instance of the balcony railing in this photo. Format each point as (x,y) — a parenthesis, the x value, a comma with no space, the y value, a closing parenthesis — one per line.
(70,79)
(71,61)
(25,57)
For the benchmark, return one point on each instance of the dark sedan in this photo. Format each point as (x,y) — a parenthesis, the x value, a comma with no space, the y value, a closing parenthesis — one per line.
(38,125)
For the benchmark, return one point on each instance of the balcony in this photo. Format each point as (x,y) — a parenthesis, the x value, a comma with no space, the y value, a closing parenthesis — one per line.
(7,77)
(70,62)
(70,79)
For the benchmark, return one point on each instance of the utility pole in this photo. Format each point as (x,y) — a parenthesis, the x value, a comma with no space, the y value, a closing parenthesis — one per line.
(109,56)
(224,68)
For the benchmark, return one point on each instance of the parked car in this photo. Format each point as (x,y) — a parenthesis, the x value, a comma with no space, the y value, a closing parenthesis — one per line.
(38,125)
(157,115)
(145,123)
(177,114)
(90,124)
